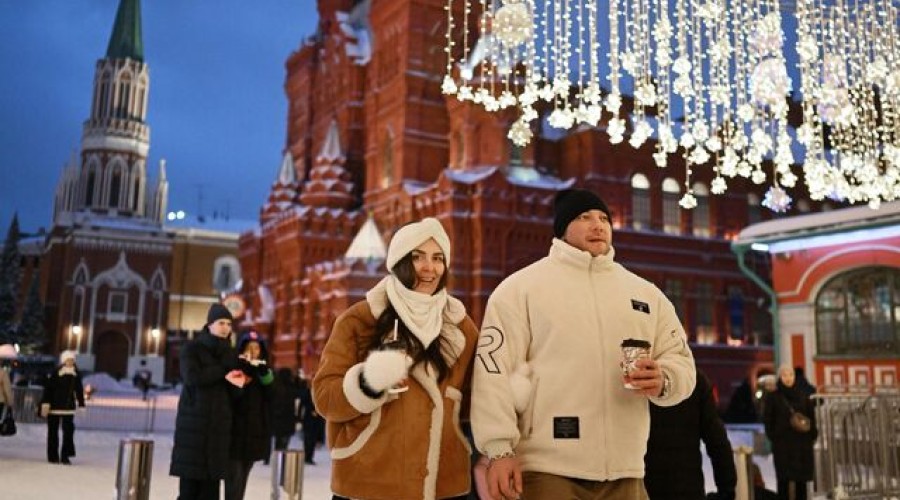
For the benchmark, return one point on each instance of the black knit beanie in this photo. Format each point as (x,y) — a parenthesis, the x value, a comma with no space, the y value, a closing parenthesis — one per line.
(217,312)
(569,204)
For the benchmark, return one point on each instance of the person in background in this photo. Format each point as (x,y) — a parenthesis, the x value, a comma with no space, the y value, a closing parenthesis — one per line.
(792,449)
(313,423)
(250,430)
(674,465)
(802,382)
(285,395)
(552,409)
(209,372)
(63,392)
(742,406)
(6,395)
(391,378)
(142,379)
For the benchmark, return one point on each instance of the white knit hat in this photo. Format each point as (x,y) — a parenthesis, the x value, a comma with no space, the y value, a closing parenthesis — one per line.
(66,355)
(410,236)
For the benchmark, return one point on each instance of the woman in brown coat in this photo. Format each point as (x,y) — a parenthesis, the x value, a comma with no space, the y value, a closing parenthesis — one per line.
(391,379)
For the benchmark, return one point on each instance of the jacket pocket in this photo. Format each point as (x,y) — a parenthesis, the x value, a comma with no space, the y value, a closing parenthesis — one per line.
(453,394)
(360,440)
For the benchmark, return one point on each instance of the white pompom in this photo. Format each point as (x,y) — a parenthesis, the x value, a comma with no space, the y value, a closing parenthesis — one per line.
(520,383)
(384,369)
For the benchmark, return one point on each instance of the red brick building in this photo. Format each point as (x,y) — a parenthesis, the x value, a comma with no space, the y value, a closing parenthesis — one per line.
(369,134)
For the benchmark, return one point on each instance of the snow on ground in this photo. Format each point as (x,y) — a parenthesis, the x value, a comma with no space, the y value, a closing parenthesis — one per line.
(26,475)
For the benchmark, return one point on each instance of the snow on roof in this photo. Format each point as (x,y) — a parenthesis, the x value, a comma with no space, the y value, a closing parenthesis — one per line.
(800,226)
(218,224)
(331,150)
(355,26)
(367,244)
(470,175)
(286,173)
(414,187)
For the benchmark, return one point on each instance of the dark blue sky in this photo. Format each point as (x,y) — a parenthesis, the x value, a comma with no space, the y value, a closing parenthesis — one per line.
(217,109)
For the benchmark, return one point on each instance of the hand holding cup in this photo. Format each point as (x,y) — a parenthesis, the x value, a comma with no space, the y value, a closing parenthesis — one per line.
(632,351)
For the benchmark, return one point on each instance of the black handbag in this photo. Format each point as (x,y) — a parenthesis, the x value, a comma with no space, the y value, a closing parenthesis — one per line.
(7,423)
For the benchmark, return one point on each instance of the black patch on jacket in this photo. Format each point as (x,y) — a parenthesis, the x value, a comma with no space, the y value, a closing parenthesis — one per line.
(643,307)
(565,428)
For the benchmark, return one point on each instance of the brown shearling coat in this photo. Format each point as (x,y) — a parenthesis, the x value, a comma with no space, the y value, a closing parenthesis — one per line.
(390,453)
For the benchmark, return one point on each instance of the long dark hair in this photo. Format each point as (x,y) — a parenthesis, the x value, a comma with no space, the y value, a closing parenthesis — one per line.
(405,271)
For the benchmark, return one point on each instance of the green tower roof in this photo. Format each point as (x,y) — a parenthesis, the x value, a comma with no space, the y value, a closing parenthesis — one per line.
(126,40)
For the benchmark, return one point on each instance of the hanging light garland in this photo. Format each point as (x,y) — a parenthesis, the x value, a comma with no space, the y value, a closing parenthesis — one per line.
(850,66)
(715,90)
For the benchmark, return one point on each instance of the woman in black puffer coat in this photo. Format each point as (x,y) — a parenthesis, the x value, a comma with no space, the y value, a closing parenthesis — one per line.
(62,392)
(250,429)
(203,423)
(791,449)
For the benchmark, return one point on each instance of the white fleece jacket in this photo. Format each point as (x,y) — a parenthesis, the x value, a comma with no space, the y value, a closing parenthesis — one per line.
(566,316)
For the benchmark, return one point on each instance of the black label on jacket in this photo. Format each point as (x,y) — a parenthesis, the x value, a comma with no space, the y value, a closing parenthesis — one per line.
(643,307)
(565,428)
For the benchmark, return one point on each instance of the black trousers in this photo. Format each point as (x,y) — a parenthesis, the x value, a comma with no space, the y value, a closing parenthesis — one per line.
(236,478)
(310,439)
(791,490)
(281,442)
(68,444)
(198,489)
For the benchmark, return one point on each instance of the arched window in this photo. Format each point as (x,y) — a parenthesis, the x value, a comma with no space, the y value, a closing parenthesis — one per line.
(226,273)
(89,189)
(671,212)
(115,188)
(640,201)
(704,307)
(700,213)
(857,313)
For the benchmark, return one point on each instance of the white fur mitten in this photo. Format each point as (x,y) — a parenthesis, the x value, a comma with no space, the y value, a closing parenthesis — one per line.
(384,369)
(520,383)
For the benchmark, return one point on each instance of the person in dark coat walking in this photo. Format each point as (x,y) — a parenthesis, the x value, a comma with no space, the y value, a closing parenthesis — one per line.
(792,449)
(250,430)
(284,408)
(674,466)
(204,419)
(62,392)
(313,423)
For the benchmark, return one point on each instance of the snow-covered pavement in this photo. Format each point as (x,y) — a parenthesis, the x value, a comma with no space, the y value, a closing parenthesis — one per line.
(26,475)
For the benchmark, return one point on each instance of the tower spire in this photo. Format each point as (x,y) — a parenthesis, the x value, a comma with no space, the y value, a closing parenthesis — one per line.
(126,41)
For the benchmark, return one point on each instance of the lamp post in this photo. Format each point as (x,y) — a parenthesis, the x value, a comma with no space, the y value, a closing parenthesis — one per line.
(154,332)
(75,332)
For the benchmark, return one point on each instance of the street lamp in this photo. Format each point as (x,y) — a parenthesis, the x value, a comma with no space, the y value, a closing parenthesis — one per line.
(154,332)
(75,331)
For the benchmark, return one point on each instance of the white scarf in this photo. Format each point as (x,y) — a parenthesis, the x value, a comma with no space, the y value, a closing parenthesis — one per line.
(426,316)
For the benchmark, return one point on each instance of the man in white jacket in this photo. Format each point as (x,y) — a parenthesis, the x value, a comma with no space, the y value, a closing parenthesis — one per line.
(550,408)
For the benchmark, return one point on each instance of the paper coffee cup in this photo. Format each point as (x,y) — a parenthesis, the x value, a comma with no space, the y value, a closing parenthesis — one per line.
(633,350)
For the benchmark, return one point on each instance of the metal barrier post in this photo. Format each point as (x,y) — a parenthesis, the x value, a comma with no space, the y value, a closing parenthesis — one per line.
(134,469)
(743,463)
(287,474)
